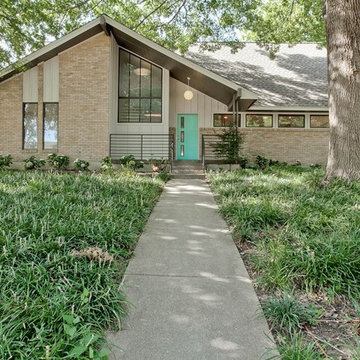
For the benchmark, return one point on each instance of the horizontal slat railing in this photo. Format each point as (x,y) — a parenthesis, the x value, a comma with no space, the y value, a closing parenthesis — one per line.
(142,146)
(207,145)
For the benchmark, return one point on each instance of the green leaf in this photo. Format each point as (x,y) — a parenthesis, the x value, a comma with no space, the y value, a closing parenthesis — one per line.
(77,350)
(69,330)
(69,319)
(104,353)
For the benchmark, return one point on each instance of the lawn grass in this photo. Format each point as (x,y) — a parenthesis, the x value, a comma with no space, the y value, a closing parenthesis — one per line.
(56,301)
(300,235)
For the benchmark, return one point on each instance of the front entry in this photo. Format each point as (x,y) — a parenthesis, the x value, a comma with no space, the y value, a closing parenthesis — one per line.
(187,137)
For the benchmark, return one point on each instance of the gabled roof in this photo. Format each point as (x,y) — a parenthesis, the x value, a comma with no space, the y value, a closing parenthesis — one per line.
(203,79)
(296,78)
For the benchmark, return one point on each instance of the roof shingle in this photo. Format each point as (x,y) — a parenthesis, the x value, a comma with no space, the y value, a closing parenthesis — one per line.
(297,77)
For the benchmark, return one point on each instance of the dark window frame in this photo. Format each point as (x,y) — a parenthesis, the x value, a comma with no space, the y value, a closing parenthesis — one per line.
(292,127)
(319,127)
(231,114)
(43,124)
(23,125)
(140,97)
(259,127)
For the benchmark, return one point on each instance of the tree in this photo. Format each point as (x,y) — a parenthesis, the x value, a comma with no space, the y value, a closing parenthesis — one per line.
(177,24)
(342,19)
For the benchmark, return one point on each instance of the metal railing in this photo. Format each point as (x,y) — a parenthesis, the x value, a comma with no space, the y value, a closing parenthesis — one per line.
(143,146)
(207,148)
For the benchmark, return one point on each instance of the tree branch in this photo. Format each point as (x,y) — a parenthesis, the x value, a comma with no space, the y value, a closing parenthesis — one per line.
(150,14)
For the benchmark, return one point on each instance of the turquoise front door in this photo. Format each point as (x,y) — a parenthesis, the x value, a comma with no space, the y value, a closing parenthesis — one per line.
(187,137)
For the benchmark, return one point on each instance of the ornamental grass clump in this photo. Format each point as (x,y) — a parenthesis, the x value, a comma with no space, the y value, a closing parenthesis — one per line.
(64,244)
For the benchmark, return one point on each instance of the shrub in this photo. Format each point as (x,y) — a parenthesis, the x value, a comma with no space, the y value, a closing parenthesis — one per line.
(5,161)
(289,314)
(158,165)
(32,163)
(81,165)
(163,176)
(243,162)
(58,162)
(262,162)
(107,165)
(130,162)
(229,146)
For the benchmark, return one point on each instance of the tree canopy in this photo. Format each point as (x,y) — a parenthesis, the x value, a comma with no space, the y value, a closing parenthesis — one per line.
(176,24)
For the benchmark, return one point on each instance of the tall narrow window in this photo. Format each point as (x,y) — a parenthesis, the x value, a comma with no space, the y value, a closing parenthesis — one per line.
(51,117)
(140,90)
(30,115)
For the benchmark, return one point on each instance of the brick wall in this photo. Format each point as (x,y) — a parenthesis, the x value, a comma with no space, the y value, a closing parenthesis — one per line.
(305,145)
(84,99)
(11,116)
(83,105)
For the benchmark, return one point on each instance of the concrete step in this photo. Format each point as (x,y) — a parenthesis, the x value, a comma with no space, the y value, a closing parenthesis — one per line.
(187,176)
(187,171)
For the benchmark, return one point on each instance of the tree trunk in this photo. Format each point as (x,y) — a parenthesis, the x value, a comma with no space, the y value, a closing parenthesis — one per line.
(342,20)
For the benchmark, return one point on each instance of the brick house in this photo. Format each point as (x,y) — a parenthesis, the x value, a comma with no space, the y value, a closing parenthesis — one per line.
(104,90)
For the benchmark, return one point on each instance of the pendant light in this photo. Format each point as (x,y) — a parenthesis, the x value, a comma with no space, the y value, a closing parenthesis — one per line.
(188,94)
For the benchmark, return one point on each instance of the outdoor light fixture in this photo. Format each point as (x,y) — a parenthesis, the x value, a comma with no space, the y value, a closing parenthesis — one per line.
(188,94)
(140,71)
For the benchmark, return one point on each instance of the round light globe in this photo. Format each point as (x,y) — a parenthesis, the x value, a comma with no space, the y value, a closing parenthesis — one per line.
(188,95)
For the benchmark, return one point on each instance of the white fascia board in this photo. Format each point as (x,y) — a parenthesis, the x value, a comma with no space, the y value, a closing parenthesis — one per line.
(179,58)
(289,108)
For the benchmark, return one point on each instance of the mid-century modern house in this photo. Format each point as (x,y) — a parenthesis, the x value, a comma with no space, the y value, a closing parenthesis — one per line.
(104,90)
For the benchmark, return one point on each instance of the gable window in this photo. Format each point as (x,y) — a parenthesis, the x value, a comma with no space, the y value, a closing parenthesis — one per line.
(140,90)
(291,121)
(51,117)
(30,116)
(259,120)
(319,121)
(223,120)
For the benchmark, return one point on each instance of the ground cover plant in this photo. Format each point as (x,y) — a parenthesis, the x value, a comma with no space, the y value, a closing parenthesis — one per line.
(64,243)
(301,237)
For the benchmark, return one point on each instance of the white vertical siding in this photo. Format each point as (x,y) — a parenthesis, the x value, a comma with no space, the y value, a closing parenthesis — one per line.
(51,80)
(30,85)
(201,104)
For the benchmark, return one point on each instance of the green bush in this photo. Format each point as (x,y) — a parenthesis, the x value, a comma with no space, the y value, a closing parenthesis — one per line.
(81,165)
(5,161)
(107,166)
(32,163)
(130,162)
(58,162)
(261,162)
(158,165)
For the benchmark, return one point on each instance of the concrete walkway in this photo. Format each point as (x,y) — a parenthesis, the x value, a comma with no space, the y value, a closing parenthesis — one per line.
(191,295)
